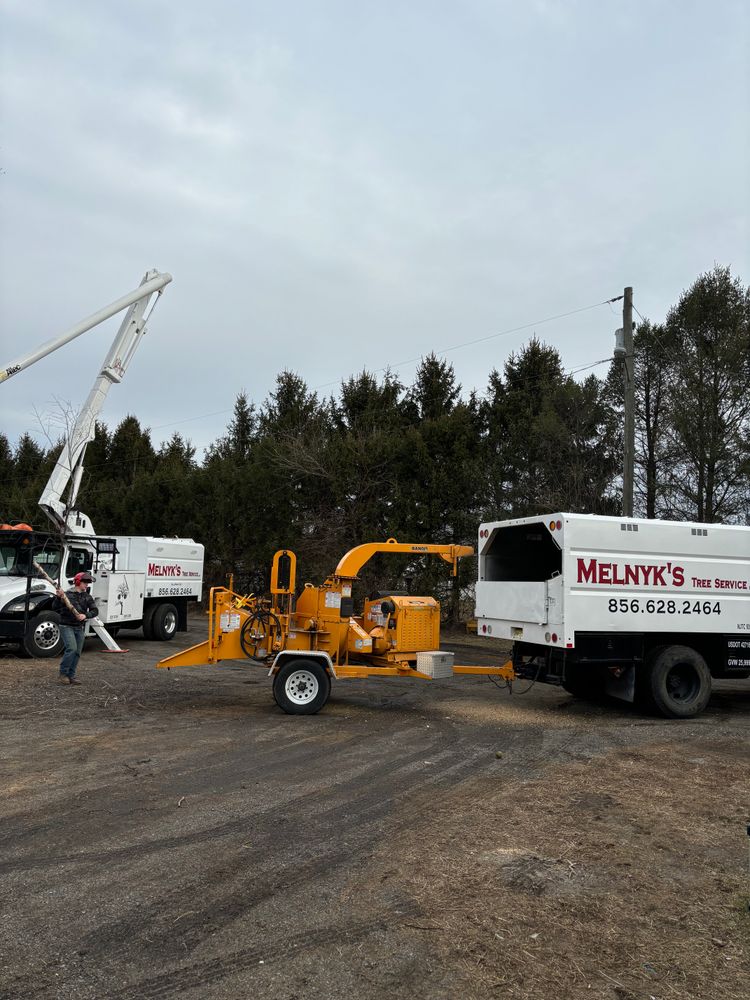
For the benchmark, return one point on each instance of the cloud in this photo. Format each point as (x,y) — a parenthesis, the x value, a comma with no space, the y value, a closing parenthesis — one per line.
(335,191)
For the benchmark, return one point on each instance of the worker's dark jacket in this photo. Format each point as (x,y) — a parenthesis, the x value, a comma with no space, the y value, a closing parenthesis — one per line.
(82,602)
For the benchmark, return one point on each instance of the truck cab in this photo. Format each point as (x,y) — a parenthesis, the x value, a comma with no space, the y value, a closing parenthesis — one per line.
(25,596)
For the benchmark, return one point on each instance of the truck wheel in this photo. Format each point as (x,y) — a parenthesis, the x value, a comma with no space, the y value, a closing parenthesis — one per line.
(43,637)
(301,687)
(148,614)
(678,682)
(163,624)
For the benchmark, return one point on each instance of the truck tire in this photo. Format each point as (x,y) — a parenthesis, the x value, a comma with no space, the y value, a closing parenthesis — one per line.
(163,622)
(43,637)
(301,687)
(148,614)
(677,682)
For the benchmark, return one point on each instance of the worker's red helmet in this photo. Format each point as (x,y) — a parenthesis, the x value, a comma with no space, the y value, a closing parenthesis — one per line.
(83,578)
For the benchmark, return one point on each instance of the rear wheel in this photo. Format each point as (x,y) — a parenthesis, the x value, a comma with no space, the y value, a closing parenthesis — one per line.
(163,623)
(43,637)
(677,682)
(301,687)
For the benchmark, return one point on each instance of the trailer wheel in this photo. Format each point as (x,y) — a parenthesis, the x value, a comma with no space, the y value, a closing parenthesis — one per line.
(301,687)
(43,637)
(163,623)
(678,682)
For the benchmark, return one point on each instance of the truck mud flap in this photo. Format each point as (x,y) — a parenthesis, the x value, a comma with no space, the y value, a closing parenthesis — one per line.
(622,686)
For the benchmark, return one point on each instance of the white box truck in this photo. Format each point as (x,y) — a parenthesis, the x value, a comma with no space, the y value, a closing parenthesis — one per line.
(647,610)
(139,582)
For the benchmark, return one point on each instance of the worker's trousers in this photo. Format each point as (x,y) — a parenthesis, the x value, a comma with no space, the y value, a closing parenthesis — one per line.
(73,641)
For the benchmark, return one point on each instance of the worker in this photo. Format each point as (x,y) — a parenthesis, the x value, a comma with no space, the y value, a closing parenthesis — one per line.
(73,623)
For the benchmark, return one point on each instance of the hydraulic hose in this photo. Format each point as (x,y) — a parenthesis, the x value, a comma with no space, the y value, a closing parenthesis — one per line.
(259,630)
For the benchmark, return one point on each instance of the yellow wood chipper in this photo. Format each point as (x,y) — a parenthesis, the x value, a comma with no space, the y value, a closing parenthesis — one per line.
(310,640)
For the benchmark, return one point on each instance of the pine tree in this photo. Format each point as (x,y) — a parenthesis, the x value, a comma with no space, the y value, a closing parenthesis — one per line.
(709,407)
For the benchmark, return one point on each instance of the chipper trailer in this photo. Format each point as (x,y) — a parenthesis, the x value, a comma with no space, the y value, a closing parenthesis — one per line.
(317,638)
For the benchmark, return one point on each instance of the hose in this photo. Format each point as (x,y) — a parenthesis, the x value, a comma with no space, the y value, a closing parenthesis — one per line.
(260,629)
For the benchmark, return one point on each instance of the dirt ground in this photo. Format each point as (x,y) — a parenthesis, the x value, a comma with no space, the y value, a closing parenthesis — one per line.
(174,834)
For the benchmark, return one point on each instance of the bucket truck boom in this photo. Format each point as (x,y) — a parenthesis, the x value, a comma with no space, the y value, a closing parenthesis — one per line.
(129,585)
(69,467)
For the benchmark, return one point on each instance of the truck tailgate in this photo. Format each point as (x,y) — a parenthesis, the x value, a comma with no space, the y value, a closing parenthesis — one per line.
(512,601)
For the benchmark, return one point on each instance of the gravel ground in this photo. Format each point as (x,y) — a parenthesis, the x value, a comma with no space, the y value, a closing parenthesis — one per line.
(173,833)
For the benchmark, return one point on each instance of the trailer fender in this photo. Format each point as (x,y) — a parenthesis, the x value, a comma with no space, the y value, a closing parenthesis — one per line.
(299,654)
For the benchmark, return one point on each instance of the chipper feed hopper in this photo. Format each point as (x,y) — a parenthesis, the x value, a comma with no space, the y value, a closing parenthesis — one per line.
(317,637)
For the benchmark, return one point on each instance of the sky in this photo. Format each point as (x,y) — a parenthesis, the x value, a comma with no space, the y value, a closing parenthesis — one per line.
(337,187)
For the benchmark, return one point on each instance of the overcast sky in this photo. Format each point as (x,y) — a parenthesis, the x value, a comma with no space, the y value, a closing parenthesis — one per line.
(337,186)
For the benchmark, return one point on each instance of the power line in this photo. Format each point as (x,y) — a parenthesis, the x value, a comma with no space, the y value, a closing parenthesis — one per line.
(447,350)
(483,340)
(411,361)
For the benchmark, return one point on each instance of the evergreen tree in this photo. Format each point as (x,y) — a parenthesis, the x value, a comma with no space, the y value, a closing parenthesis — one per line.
(434,391)
(7,478)
(709,407)
(130,451)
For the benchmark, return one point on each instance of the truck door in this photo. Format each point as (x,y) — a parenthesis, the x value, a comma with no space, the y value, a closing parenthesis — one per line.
(79,559)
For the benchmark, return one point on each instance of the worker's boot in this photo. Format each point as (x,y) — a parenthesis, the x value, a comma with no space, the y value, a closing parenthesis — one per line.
(74,681)
(64,679)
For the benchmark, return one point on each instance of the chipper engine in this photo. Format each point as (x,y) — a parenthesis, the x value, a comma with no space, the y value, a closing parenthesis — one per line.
(317,637)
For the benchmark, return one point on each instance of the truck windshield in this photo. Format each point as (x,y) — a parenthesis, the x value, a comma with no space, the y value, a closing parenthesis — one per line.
(16,561)
(13,561)
(522,552)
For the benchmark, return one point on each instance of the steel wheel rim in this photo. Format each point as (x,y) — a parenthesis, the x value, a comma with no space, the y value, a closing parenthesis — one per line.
(46,635)
(301,687)
(170,622)
(682,682)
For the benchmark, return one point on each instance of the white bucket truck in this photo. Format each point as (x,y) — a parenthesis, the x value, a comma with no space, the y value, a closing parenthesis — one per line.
(138,582)
(646,610)
(143,583)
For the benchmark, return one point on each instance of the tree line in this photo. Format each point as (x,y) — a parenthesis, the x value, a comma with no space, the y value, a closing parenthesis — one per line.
(426,462)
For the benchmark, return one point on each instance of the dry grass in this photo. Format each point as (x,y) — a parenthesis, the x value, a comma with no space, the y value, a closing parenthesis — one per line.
(626,878)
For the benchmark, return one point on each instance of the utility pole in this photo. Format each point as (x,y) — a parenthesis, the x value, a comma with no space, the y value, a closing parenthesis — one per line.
(629,440)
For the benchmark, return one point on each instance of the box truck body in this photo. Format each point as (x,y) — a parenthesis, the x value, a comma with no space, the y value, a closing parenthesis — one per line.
(572,590)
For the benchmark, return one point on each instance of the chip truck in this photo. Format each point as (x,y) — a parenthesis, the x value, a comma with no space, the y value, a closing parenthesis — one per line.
(646,610)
